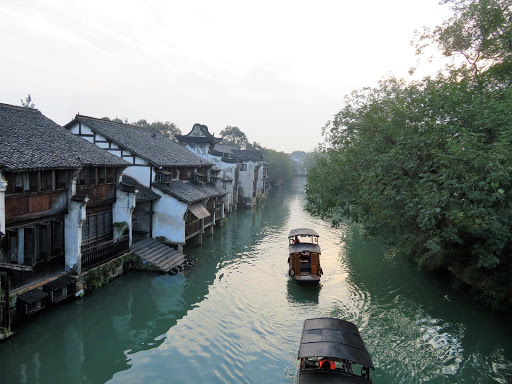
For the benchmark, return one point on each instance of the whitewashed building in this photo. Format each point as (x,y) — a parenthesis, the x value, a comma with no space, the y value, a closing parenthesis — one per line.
(180,201)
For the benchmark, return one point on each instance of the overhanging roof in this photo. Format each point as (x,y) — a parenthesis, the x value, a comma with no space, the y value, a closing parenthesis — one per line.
(333,338)
(198,210)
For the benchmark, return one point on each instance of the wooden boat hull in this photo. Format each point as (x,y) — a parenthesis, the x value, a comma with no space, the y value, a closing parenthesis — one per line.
(307,279)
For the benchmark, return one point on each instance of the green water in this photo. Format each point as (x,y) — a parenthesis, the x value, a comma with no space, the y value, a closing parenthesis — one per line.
(236,317)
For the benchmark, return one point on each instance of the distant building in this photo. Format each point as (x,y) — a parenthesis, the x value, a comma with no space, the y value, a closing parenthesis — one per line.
(178,200)
(242,173)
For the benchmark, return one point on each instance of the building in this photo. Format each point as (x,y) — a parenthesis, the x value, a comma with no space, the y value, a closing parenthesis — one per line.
(62,207)
(187,203)
(241,173)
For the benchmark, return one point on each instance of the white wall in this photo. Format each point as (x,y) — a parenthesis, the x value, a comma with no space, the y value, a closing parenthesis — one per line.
(169,218)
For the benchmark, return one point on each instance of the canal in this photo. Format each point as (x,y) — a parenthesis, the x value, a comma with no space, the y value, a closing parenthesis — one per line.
(236,317)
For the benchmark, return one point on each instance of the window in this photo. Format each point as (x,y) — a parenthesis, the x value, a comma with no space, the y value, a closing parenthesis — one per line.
(14,183)
(81,177)
(91,176)
(101,175)
(97,227)
(61,181)
(111,175)
(244,167)
(46,180)
(33,178)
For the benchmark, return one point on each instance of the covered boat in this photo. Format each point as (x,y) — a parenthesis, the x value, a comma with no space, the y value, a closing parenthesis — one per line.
(332,351)
(304,259)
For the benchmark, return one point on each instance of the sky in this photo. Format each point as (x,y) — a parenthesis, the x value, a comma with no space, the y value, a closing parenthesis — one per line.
(278,70)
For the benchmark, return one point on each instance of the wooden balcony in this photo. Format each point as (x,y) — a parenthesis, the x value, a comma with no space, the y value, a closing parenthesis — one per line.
(31,206)
(103,252)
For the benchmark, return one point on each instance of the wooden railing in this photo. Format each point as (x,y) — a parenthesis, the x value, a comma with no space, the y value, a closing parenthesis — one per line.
(207,220)
(192,227)
(104,252)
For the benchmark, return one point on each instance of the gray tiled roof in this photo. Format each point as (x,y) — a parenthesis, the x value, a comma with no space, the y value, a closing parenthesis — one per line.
(31,141)
(248,154)
(190,192)
(182,191)
(199,134)
(144,194)
(146,143)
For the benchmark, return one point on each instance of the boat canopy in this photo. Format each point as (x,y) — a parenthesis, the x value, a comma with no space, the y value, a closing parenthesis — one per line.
(303,232)
(333,338)
(304,247)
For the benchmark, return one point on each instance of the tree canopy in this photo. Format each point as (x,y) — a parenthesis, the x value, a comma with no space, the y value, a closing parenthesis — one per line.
(427,165)
(234,136)
(280,166)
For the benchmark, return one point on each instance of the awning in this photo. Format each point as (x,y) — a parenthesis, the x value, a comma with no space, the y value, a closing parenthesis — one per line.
(198,210)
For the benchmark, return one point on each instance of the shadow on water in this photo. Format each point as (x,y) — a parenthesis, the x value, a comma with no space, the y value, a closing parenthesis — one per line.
(301,295)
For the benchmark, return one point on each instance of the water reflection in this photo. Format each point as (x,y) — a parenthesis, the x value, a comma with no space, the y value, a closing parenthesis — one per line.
(236,317)
(301,295)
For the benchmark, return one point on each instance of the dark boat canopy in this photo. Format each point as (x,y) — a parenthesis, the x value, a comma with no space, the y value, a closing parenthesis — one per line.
(303,232)
(304,247)
(333,338)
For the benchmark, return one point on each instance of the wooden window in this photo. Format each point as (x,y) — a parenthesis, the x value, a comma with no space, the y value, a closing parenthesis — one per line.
(33,181)
(244,167)
(46,181)
(14,183)
(61,181)
(91,176)
(97,227)
(101,175)
(111,175)
(81,177)
(12,244)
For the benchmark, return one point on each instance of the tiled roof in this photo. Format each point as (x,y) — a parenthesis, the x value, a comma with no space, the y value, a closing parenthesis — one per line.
(31,141)
(211,190)
(190,192)
(248,154)
(182,191)
(146,143)
(144,194)
(199,134)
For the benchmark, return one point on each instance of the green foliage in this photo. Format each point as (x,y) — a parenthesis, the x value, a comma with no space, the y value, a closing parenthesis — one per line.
(479,30)
(280,167)
(428,167)
(234,136)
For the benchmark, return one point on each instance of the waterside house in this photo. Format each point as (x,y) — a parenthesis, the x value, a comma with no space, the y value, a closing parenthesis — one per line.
(242,173)
(181,203)
(60,197)
(253,178)
(225,171)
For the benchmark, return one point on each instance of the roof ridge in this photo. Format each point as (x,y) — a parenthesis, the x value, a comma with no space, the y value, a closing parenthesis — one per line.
(27,109)
(148,128)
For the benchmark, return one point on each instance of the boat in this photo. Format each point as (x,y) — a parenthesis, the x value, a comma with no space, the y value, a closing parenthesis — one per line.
(332,351)
(304,259)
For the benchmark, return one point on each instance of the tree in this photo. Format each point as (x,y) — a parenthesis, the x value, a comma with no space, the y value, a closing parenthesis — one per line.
(280,167)
(479,30)
(427,166)
(167,128)
(27,103)
(234,136)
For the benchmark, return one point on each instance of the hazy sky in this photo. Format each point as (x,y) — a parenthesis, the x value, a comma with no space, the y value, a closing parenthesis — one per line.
(276,69)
